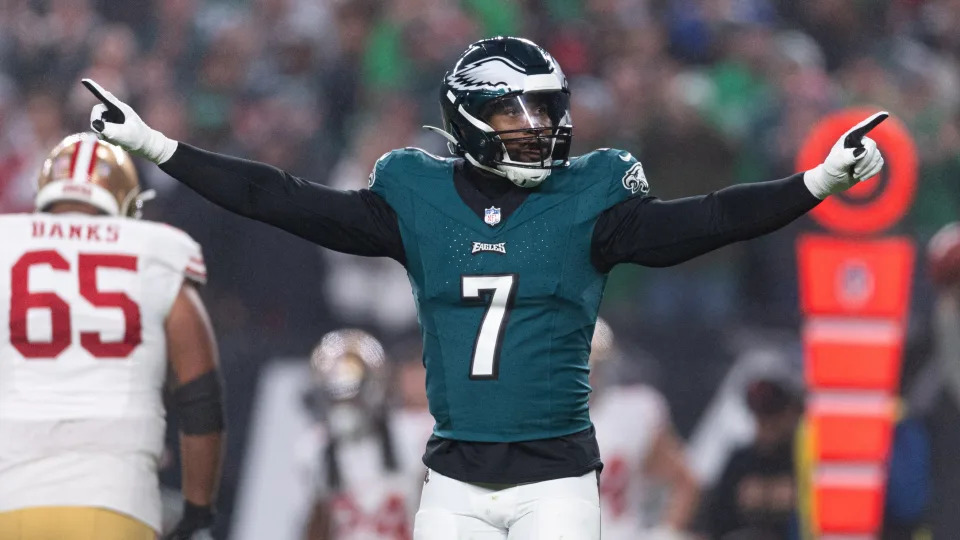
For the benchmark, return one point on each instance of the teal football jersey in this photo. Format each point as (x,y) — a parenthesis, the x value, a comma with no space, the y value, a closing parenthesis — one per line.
(506,307)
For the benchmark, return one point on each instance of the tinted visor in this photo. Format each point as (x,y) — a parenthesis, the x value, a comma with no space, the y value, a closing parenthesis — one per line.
(534,128)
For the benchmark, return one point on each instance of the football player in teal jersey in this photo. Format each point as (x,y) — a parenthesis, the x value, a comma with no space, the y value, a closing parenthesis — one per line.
(508,244)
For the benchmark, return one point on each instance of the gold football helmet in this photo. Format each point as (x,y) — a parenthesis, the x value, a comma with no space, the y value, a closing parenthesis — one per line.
(83,168)
(349,383)
(350,364)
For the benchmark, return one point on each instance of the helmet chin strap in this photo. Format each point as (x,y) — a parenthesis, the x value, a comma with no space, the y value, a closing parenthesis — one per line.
(525,178)
(521,176)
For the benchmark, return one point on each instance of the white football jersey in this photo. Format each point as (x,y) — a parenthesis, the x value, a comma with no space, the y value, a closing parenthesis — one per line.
(83,358)
(373,503)
(627,420)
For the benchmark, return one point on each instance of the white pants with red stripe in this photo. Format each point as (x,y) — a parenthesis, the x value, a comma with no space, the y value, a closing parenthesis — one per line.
(566,508)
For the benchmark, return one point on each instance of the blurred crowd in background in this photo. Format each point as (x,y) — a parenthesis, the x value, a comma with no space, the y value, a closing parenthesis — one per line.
(706,93)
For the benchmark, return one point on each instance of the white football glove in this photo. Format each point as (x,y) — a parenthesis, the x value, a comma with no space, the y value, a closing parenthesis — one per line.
(854,158)
(117,123)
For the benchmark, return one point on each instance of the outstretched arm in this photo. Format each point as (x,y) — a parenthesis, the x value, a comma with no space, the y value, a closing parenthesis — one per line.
(356,222)
(652,232)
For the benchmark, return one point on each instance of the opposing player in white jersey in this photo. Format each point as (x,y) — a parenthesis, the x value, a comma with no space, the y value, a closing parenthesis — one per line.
(363,456)
(640,451)
(95,309)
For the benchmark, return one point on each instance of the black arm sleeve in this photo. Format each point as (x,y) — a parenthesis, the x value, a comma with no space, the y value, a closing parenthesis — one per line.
(652,232)
(356,222)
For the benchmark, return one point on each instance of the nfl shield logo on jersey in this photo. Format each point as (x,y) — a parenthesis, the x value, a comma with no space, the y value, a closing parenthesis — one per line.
(491,216)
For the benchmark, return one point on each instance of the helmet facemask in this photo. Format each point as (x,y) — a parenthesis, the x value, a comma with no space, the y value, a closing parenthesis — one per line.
(532,132)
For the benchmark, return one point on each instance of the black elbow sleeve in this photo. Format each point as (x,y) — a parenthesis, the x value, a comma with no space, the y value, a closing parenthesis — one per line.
(199,405)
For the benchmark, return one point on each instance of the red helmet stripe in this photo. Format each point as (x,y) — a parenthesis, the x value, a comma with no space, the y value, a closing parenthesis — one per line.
(73,158)
(93,161)
(83,159)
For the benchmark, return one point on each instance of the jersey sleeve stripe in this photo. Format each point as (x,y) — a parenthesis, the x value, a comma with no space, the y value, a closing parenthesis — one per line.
(198,277)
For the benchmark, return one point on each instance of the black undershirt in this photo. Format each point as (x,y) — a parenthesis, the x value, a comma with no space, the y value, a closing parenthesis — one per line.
(641,230)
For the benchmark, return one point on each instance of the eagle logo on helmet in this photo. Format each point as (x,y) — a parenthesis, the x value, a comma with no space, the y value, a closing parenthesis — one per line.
(488,74)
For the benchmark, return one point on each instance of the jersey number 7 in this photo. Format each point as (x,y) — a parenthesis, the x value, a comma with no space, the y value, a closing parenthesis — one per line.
(22,300)
(501,289)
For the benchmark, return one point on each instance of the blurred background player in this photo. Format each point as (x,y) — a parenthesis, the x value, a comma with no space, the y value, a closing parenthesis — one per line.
(95,310)
(640,451)
(756,496)
(364,451)
(939,399)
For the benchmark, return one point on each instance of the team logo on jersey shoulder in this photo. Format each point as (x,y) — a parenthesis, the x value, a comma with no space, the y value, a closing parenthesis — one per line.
(635,181)
(480,247)
(491,216)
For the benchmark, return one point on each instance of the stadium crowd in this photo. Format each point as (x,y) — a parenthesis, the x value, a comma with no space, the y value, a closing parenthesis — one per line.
(706,93)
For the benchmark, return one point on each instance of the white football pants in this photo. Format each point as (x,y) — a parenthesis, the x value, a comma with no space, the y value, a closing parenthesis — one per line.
(562,509)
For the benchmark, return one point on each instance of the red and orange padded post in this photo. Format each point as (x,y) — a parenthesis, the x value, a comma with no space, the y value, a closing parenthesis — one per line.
(855,294)
(848,504)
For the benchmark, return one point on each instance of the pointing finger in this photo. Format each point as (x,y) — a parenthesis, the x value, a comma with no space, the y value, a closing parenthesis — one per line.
(98,91)
(113,112)
(853,138)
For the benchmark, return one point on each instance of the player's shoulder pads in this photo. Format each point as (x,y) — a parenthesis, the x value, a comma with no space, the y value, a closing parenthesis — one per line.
(397,167)
(626,178)
(177,249)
